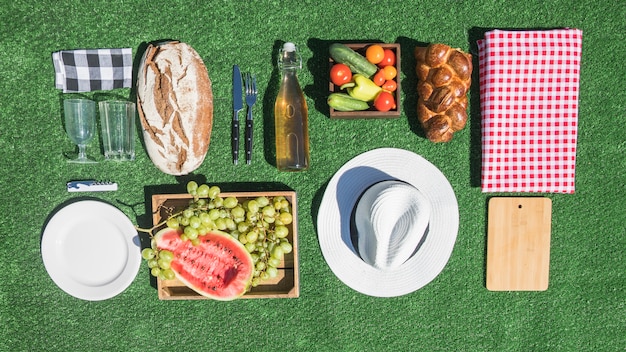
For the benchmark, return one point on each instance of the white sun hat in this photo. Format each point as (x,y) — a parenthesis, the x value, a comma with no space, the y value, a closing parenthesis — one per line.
(337,226)
(391,218)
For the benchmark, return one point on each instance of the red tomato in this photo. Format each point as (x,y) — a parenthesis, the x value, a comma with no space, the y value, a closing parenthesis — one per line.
(379,78)
(390,85)
(384,101)
(389,58)
(340,74)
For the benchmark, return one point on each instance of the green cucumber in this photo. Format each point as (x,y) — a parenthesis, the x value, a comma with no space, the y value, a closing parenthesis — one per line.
(357,62)
(344,102)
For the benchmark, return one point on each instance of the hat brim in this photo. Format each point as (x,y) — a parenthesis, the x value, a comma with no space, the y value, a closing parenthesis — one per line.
(335,228)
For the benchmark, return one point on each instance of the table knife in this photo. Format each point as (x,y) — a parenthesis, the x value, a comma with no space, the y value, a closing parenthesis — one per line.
(237,107)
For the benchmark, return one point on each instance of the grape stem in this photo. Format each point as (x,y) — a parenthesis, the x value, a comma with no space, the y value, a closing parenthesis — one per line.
(148,231)
(163,222)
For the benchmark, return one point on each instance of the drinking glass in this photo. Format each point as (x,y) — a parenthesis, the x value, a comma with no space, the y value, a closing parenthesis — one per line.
(117,119)
(80,125)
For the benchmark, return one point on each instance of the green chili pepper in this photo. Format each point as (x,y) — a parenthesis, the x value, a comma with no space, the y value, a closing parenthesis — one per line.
(362,88)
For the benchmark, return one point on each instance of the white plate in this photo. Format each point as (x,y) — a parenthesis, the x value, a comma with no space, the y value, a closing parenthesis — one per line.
(335,230)
(91,250)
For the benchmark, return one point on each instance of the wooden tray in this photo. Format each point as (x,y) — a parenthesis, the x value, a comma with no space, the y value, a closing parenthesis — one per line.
(285,285)
(518,243)
(370,113)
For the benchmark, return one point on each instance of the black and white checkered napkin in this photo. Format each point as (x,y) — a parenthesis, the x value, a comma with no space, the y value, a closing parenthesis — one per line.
(86,70)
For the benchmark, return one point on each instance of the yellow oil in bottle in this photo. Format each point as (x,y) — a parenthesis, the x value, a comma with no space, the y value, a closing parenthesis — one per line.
(291,115)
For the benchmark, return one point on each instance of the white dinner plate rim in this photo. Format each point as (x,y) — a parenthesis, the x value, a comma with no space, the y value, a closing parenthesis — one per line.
(52,237)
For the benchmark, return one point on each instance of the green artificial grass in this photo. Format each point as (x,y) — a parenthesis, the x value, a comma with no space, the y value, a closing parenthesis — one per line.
(583,309)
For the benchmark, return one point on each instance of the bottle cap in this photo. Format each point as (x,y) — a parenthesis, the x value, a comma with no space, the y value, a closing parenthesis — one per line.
(289,47)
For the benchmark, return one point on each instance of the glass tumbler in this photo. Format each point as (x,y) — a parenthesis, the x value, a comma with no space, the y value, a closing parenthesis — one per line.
(117,119)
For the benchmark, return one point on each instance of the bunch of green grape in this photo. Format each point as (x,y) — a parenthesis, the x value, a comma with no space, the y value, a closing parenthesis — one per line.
(260,224)
(159,262)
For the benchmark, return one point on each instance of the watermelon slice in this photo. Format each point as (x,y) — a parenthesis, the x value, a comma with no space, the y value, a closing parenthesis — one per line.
(219,267)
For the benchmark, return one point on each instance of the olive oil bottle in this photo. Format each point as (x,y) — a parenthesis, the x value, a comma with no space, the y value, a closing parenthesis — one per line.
(291,114)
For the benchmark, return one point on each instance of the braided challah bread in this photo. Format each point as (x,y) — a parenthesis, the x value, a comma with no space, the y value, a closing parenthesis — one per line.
(443,80)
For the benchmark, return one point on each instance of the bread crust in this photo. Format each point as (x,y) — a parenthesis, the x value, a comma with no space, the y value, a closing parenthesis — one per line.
(443,80)
(175,106)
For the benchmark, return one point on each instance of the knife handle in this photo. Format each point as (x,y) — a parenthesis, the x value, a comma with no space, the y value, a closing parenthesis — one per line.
(248,141)
(235,141)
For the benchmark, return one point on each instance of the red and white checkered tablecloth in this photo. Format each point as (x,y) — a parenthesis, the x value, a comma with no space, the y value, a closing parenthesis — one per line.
(529,85)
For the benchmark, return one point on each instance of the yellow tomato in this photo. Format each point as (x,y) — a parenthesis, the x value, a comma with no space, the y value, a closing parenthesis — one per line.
(374,53)
(389,72)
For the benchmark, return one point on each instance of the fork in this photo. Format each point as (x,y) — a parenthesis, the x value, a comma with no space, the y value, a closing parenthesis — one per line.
(251,93)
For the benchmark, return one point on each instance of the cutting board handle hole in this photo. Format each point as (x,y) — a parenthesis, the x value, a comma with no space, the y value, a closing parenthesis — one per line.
(519,206)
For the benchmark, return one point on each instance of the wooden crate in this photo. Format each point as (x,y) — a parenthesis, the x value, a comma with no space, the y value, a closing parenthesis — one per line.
(370,113)
(285,285)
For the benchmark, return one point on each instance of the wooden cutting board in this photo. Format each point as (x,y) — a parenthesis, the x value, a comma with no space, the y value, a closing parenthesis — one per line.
(518,243)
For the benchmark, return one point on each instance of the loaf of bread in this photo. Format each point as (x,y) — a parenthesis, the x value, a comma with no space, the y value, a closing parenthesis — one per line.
(175,106)
(443,80)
